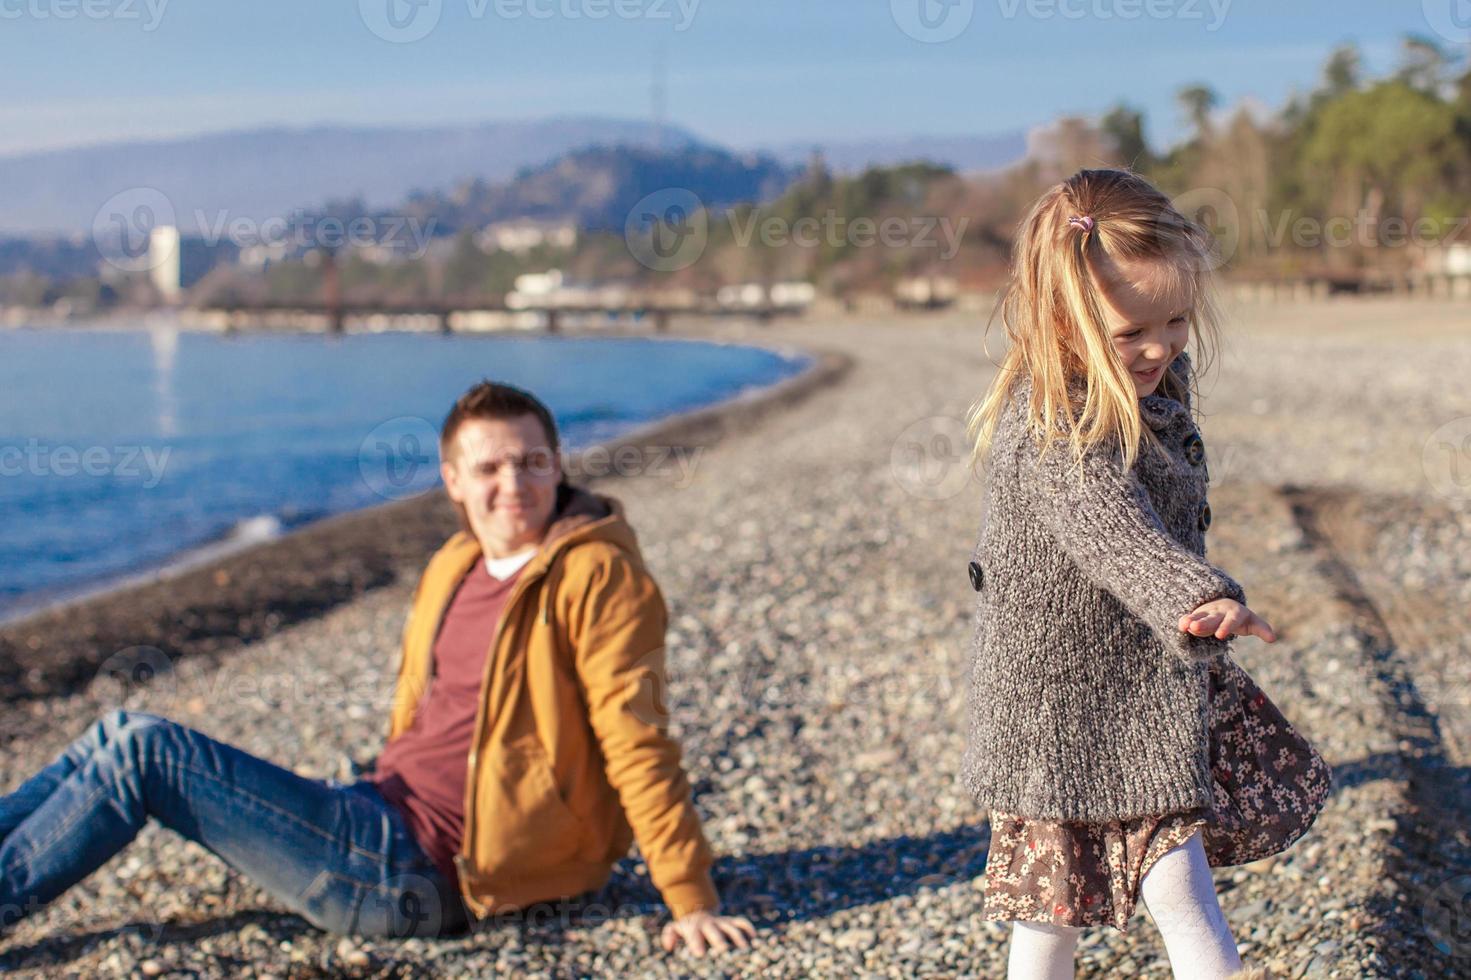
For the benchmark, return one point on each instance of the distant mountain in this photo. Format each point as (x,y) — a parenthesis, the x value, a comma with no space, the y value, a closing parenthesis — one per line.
(259,173)
(963,154)
(596,187)
(49,258)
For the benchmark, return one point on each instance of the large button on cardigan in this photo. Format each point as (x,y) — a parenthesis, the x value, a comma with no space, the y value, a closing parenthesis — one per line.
(1086,701)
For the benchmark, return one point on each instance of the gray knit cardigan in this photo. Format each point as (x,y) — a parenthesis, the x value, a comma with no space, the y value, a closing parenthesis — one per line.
(1086,700)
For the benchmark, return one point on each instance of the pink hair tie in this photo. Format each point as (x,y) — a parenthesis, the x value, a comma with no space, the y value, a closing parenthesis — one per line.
(1085,222)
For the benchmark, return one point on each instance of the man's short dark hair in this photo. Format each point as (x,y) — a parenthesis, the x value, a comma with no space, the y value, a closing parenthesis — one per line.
(492,400)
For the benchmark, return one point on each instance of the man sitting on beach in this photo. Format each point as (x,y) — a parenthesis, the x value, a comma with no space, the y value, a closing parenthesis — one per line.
(527,744)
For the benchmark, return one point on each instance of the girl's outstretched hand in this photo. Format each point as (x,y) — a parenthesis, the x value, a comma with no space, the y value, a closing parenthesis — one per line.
(1225,618)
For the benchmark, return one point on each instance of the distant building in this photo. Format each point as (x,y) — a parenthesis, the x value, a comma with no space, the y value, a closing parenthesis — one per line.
(1453,259)
(741,296)
(258,258)
(792,295)
(524,235)
(553,289)
(164,267)
(925,292)
(176,263)
(756,296)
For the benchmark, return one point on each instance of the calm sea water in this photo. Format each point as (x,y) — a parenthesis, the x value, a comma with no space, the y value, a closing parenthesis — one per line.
(125,450)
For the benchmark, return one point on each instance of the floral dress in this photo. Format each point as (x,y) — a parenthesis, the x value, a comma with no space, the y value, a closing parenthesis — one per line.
(1270,785)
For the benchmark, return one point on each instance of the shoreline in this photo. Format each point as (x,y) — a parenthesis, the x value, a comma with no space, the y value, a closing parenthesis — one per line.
(217,602)
(242,535)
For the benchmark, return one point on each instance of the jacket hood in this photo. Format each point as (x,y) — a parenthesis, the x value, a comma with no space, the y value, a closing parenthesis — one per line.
(579,516)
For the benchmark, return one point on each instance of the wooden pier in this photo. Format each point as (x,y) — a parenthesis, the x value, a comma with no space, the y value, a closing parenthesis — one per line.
(336,315)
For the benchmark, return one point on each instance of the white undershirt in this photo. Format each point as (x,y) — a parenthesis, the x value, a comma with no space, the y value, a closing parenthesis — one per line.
(504,568)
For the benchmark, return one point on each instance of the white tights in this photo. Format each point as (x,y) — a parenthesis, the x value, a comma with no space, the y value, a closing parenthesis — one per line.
(1181,898)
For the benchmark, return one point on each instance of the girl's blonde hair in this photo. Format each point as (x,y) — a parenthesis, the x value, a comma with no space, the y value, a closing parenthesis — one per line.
(1052,309)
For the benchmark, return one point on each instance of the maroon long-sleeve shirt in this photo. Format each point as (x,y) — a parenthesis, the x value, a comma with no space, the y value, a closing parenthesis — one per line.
(423,771)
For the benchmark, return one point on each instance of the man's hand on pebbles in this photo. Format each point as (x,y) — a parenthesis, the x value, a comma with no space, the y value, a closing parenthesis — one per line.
(1226,618)
(703,930)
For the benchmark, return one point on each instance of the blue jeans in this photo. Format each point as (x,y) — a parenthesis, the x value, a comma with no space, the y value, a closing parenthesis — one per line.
(337,854)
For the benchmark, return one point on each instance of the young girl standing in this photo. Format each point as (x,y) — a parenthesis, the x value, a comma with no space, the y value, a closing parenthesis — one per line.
(1119,750)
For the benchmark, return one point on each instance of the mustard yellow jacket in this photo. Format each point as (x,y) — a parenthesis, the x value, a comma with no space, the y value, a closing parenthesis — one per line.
(571,758)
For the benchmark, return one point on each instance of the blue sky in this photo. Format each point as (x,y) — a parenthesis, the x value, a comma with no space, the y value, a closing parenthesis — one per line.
(744,72)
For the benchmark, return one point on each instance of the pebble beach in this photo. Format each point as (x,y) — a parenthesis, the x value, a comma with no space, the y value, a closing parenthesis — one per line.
(813,555)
